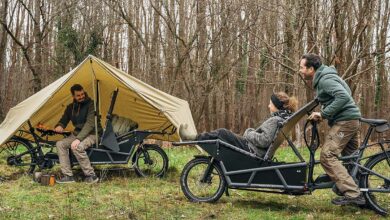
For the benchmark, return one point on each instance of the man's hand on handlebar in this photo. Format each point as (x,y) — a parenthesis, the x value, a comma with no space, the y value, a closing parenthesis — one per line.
(315,116)
(59,129)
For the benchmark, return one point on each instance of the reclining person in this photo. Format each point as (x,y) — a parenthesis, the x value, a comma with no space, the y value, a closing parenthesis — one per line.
(82,114)
(281,107)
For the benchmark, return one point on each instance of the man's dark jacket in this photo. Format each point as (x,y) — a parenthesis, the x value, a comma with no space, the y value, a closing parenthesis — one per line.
(82,116)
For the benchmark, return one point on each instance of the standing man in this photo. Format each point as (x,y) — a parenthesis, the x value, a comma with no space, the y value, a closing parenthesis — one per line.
(82,114)
(339,108)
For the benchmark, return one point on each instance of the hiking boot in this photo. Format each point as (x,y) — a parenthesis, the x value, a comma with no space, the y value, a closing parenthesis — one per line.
(91,179)
(66,179)
(337,191)
(185,135)
(346,200)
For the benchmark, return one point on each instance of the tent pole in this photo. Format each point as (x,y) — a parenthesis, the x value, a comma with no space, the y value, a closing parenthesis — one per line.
(97,108)
(95,102)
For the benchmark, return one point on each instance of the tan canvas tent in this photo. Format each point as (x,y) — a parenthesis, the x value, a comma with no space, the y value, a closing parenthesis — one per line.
(151,108)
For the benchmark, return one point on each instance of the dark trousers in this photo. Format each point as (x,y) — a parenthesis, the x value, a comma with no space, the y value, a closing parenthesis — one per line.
(227,136)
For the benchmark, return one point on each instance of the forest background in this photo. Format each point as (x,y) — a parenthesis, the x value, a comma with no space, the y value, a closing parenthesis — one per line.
(225,57)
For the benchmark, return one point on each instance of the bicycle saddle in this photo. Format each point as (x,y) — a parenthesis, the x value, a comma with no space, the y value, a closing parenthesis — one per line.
(374,122)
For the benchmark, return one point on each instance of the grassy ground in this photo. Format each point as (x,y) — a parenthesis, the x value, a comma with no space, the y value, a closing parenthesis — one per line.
(122,195)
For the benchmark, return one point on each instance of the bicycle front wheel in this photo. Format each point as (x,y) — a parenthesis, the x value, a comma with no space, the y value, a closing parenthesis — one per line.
(198,188)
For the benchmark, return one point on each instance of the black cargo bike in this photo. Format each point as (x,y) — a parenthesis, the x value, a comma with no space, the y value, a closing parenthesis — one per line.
(126,148)
(206,178)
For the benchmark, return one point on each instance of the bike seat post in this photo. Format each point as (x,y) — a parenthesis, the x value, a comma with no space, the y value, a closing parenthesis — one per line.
(368,135)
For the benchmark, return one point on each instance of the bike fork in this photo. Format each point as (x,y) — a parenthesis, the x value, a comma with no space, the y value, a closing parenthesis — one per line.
(146,156)
(207,172)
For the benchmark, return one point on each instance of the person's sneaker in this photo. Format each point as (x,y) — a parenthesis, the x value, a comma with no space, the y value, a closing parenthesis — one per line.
(345,200)
(336,190)
(66,179)
(185,135)
(91,179)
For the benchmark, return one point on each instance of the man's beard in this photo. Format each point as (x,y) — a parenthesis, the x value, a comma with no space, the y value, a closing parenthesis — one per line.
(81,100)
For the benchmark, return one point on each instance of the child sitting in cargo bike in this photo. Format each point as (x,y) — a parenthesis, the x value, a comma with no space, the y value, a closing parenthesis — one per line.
(256,141)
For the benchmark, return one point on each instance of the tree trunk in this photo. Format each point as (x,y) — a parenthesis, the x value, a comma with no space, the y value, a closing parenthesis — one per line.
(339,13)
(38,39)
(311,28)
(154,59)
(3,44)
(383,81)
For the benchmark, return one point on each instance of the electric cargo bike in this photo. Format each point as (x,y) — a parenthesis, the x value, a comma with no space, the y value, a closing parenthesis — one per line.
(126,148)
(206,177)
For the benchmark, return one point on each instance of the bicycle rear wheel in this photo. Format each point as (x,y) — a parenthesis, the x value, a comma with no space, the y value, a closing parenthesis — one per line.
(378,194)
(151,161)
(17,152)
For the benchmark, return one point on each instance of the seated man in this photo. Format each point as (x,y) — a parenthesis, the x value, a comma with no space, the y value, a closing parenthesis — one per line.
(81,113)
(281,107)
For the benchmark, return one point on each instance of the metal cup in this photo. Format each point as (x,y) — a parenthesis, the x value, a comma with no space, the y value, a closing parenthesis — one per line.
(37,176)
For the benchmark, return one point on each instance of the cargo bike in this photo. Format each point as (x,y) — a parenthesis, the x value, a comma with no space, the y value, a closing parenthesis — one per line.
(113,148)
(206,178)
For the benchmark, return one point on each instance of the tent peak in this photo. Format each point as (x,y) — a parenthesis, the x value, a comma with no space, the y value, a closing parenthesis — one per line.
(90,56)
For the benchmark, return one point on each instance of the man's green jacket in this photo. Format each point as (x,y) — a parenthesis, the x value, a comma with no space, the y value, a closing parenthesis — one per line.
(334,96)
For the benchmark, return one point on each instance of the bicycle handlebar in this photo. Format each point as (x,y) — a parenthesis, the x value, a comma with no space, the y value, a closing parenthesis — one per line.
(51,132)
